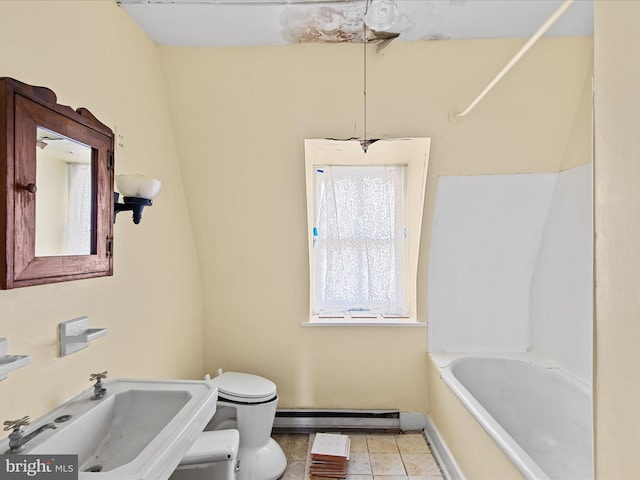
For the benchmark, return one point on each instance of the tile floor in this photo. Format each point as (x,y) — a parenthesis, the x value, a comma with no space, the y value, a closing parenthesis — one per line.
(373,457)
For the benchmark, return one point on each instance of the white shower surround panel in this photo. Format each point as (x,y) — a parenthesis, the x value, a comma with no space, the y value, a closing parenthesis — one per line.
(561,306)
(487,231)
(498,239)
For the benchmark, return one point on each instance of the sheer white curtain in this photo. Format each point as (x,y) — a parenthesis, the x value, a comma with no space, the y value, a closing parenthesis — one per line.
(360,240)
(77,240)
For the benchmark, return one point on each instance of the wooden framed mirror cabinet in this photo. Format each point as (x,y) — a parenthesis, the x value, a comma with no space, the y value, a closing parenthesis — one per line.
(56,179)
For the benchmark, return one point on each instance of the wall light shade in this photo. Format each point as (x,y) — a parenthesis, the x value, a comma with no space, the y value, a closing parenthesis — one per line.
(137,185)
(138,192)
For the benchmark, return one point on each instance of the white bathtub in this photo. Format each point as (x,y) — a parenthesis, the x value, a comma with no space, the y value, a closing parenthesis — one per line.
(540,417)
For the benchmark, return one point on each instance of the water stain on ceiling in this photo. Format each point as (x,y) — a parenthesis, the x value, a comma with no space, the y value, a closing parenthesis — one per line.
(327,24)
(349,23)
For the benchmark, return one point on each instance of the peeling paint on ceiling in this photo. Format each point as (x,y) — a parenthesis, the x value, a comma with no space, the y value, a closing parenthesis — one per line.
(330,24)
(326,24)
(277,22)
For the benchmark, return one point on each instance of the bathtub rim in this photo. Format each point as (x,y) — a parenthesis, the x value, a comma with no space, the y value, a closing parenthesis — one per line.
(516,454)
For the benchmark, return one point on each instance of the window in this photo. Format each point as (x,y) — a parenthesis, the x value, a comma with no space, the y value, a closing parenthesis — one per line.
(359,240)
(364,213)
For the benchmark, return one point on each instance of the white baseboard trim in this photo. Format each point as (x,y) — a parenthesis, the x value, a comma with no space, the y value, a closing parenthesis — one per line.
(448,464)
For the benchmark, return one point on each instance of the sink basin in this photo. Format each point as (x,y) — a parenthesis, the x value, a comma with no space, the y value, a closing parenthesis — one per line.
(140,430)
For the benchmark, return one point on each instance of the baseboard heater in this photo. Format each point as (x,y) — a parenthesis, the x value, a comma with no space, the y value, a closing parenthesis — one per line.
(355,421)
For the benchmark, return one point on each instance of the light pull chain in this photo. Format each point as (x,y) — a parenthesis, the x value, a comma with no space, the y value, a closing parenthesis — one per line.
(364,79)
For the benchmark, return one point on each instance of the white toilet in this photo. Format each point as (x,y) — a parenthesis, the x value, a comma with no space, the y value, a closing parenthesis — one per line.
(247,405)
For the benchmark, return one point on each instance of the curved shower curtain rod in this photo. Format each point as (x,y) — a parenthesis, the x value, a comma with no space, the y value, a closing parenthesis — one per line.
(456,116)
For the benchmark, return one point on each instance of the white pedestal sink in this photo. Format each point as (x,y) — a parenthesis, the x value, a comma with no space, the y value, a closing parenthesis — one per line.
(140,430)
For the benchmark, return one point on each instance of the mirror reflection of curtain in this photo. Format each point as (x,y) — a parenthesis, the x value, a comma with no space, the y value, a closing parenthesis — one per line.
(78,228)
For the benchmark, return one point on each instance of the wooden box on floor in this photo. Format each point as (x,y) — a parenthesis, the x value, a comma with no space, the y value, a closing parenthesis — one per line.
(329,455)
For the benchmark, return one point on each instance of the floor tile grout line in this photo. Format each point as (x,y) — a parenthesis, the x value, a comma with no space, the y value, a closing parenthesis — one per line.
(290,448)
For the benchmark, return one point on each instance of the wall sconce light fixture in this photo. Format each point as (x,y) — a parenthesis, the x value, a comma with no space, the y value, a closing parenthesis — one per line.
(137,191)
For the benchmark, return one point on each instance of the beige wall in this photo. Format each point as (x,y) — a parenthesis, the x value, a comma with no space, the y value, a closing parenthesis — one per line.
(240,116)
(617,226)
(92,55)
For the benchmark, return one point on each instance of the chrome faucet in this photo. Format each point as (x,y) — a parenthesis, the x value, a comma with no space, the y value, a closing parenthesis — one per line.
(17,439)
(99,389)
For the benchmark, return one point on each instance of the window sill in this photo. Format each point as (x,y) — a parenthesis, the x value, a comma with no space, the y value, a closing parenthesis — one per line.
(362,322)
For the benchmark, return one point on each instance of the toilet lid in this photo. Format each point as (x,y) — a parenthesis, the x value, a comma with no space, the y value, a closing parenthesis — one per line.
(244,387)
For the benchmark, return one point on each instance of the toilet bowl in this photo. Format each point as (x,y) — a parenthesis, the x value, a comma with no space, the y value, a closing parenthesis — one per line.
(248,403)
(236,444)
(213,456)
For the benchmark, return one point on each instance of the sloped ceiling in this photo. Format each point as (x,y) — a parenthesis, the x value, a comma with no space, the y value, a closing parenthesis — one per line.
(277,22)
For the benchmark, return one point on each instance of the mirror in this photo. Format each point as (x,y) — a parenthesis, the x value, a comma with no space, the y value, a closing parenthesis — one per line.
(63,198)
(58,166)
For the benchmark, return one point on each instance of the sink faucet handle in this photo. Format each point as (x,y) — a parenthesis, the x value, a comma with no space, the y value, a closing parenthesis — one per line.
(98,376)
(16,424)
(99,391)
